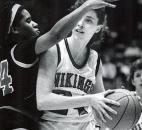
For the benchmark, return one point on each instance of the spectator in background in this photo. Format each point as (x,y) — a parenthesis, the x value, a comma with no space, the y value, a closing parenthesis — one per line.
(135,84)
(109,72)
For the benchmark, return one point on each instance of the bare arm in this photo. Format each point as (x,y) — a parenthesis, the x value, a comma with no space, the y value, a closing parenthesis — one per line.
(99,86)
(46,100)
(61,29)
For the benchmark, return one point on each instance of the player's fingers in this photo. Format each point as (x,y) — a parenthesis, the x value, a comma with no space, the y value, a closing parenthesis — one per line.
(106,114)
(109,109)
(111,0)
(106,93)
(112,102)
(101,4)
(140,105)
(105,4)
(139,98)
(101,115)
(134,93)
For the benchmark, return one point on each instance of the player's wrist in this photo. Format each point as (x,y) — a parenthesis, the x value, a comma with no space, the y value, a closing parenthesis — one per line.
(86,6)
(90,99)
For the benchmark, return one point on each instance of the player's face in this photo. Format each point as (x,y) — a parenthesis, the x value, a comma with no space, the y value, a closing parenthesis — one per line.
(137,80)
(87,26)
(27,28)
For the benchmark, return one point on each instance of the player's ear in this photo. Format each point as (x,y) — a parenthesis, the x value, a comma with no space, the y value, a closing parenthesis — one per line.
(14,30)
(133,83)
(99,27)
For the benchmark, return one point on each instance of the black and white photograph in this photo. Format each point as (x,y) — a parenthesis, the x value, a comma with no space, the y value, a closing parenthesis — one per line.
(70,65)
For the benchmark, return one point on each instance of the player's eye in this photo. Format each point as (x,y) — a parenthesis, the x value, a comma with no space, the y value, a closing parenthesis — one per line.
(28,20)
(138,75)
(89,21)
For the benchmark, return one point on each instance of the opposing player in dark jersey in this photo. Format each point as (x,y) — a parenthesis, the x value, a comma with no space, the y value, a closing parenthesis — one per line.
(20,46)
(69,82)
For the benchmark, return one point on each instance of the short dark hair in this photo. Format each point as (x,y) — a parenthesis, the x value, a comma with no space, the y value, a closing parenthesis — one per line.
(101,19)
(137,65)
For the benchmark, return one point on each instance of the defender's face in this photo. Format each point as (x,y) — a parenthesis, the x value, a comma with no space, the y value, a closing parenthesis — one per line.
(137,80)
(87,26)
(27,28)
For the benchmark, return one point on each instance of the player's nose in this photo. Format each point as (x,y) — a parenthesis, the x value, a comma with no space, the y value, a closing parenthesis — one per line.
(34,24)
(80,24)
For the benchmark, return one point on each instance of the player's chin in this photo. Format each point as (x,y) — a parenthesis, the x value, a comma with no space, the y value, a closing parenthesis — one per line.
(36,34)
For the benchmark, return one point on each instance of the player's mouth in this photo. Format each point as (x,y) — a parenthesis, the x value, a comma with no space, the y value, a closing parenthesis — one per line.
(38,32)
(79,31)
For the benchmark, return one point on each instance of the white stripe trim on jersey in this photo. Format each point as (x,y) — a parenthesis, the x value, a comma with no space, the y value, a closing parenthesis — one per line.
(23,65)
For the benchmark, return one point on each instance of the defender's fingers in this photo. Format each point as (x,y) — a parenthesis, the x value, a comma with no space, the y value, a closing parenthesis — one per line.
(108,4)
(111,0)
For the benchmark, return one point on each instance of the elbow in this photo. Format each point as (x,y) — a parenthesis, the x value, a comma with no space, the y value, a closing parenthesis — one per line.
(44,103)
(40,105)
(41,102)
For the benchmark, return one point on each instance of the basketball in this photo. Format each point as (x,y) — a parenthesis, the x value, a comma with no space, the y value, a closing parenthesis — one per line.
(128,113)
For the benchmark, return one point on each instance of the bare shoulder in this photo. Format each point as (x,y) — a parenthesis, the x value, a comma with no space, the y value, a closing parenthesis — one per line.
(50,56)
(51,52)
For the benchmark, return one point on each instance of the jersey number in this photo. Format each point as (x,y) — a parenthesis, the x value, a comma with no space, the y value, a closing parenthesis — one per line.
(5,79)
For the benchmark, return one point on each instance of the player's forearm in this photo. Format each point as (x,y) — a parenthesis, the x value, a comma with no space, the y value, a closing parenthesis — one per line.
(55,102)
(61,29)
(64,26)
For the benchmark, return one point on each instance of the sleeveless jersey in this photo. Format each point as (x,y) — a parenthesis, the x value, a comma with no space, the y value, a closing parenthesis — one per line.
(73,80)
(18,71)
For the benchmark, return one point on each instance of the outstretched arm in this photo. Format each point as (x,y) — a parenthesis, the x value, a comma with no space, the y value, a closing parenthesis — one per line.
(62,28)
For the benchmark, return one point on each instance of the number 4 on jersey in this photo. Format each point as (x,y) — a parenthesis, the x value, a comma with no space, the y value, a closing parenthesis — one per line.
(5,79)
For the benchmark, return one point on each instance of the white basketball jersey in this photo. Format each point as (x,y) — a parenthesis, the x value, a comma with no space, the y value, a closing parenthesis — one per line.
(73,80)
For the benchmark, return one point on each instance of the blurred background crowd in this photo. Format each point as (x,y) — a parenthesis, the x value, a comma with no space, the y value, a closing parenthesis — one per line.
(122,43)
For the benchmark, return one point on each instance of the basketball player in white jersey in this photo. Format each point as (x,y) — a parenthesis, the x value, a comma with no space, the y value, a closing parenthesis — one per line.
(20,47)
(70,75)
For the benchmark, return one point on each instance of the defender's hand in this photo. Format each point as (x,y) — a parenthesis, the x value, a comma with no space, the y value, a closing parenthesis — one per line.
(96,4)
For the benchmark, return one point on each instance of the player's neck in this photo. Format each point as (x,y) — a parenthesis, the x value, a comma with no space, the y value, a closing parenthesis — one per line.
(78,49)
(76,44)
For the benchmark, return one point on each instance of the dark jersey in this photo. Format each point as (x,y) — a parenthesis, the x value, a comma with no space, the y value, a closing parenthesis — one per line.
(18,73)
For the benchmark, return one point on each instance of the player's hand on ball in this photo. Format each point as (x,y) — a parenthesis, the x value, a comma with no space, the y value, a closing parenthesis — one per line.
(96,4)
(101,106)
